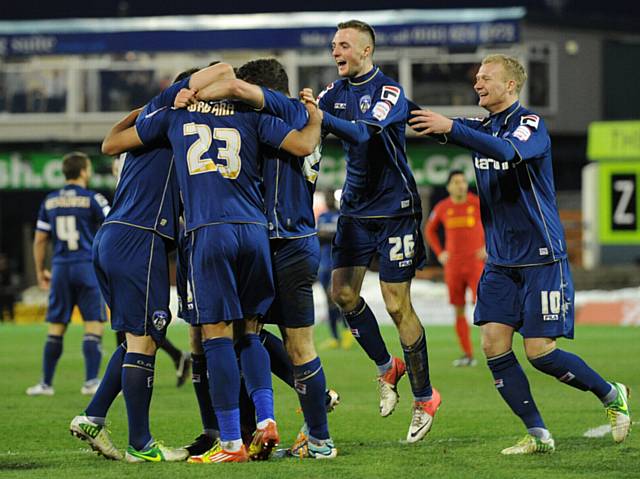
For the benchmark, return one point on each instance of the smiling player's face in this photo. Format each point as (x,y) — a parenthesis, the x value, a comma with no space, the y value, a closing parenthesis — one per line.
(351,52)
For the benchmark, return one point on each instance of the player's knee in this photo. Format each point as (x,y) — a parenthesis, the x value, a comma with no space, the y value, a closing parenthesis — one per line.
(538,347)
(493,346)
(345,297)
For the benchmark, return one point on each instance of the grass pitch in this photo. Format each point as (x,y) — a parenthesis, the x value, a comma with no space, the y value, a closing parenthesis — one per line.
(471,428)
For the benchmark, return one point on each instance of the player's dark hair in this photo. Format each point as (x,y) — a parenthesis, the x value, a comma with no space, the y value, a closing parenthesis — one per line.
(361,27)
(266,72)
(185,74)
(453,173)
(73,163)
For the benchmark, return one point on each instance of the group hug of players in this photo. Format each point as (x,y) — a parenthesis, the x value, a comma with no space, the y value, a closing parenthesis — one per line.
(222,165)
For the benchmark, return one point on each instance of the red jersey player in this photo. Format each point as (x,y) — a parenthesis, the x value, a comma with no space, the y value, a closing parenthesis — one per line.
(463,254)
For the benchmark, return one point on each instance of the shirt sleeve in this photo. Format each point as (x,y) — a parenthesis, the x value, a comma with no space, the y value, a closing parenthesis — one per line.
(530,138)
(277,104)
(272,130)
(152,125)
(431,231)
(494,147)
(43,223)
(100,207)
(167,96)
(389,106)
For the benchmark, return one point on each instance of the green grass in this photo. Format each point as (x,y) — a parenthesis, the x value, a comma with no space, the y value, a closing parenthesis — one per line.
(470,428)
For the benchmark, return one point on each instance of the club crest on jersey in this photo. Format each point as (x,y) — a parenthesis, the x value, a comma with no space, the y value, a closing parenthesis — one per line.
(160,319)
(365,103)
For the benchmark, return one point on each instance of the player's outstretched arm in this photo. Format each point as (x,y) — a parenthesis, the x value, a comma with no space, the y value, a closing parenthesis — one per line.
(40,242)
(205,77)
(123,136)
(303,142)
(233,89)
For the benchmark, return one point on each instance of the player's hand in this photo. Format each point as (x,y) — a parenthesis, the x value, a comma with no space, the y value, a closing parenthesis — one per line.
(315,114)
(307,96)
(44,279)
(443,258)
(481,254)
(427,122)
(184,98)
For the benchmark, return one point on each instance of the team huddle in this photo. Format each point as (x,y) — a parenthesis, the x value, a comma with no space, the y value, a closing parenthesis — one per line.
(222,167)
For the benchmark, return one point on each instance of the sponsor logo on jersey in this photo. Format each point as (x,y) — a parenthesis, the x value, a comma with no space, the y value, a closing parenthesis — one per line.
(355,332)
(549,317)
(530,120)
(365,103)
(381,110)
(390,93)
(543,251)
(339,106)
(160,319)
(490,163)
(405,203)
(498,383)
(405,263)
(522,133)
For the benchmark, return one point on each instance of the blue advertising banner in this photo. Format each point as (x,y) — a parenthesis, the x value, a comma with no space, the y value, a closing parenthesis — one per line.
(398,28)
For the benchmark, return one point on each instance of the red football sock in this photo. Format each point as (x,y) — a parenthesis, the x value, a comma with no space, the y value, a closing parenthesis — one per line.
(462,330)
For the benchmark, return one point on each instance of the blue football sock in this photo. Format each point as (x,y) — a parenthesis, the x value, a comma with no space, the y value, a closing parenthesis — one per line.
(201,387)
(256,371)
(311,386)
(513,386)
(137,387)
(52,352)
(364,328)
(572,370)
(224,385)
(279,358)
(417,361)
(110,385)
(92,351)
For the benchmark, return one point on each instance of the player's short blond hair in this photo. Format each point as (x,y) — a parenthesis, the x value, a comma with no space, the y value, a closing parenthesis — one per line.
(362,27)
(513,68)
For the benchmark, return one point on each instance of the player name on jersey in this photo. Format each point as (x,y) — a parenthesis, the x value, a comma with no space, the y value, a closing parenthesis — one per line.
(221,108)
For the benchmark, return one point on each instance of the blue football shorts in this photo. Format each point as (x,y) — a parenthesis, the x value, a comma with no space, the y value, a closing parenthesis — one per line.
(396,240)
(230,272)
(295,269)
(537,301)
(74,284)
(133,271)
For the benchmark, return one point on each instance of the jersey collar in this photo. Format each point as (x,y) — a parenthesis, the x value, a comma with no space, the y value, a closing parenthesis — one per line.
(505,115)
(364,78)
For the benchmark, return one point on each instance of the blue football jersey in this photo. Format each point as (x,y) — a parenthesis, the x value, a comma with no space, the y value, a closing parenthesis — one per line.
(216,147)
(514,176)
(289,181)
(379,181)
(147,194)
(72,215)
